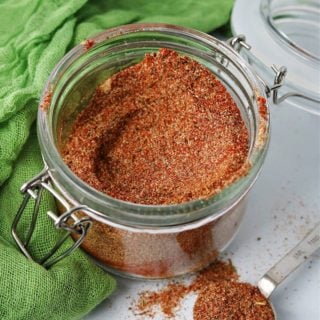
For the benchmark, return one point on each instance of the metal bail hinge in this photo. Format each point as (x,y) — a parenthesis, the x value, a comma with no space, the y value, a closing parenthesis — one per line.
(238,43)
(69,221)
(280,74)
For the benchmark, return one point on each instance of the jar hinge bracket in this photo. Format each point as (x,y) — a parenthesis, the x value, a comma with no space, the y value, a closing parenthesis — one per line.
(68,221)
(238,43)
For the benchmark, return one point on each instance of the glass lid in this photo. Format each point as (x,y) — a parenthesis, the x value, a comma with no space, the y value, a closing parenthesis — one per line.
(285,33)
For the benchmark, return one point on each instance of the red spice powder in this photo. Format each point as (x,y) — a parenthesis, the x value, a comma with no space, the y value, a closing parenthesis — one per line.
(46,101)
(263,110)
(218,271)
(220,297)
(169,298)
(88,44)
(227,300)
(154,256)
(162,131)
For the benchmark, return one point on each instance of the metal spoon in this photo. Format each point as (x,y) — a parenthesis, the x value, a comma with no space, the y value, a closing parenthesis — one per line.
(289,263)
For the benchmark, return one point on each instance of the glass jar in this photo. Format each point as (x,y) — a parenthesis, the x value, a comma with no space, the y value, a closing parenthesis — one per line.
(149,241)
(284,32)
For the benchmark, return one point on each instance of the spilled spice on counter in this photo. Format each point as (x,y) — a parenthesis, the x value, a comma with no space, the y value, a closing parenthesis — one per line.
(169,298)
(162,131)
(217,271)
(220,297)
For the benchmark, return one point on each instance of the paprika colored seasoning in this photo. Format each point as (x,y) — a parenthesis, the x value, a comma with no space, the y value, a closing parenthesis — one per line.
(163,131)
(220,296)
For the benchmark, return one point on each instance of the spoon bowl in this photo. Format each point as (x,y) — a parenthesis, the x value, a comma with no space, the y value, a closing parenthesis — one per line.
(289,263)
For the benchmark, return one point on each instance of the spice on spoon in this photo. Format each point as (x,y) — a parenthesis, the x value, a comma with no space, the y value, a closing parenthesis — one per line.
(227,300)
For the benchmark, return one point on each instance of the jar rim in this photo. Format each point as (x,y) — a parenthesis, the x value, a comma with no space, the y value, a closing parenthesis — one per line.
(292,15)
(301,86)
(133,213)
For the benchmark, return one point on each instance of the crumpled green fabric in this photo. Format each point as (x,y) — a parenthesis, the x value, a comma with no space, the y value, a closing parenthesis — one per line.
(34,35)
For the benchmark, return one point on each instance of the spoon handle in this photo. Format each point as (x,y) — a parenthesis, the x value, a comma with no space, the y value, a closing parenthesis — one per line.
(290,262)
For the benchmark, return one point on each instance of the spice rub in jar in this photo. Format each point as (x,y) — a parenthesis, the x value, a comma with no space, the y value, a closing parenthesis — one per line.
(163,131)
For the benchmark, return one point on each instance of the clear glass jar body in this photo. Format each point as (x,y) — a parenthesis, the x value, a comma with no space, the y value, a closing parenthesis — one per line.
(142,240)
(284,33)
(296,24)
(152,255)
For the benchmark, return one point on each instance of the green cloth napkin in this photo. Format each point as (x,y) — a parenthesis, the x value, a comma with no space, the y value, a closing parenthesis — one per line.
(34,35)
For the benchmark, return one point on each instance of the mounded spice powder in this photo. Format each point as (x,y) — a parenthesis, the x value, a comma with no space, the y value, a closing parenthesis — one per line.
(220,297)
(162,131)
(227,300)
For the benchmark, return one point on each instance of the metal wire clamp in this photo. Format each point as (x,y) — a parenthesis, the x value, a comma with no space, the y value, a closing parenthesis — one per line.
(238,43)
(68,221)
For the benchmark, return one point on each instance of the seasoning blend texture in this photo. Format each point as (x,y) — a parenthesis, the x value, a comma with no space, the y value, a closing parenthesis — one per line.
(149,255)
(231,301)
(170,297)
(220,297)
(163,131)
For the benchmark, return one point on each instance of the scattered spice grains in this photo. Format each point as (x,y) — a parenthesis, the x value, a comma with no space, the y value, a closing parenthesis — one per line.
(217,271)
(263,110)
(169,298)
(88,44)
(263,126)
(46,101)
(162,131)
(220,297)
